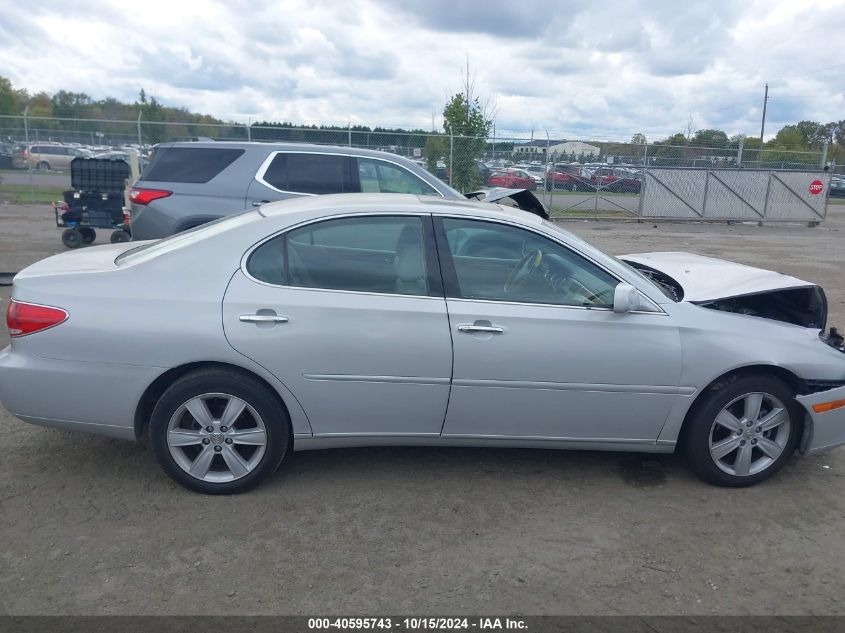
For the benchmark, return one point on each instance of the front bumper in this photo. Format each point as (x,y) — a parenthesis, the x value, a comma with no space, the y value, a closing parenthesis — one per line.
(826,429)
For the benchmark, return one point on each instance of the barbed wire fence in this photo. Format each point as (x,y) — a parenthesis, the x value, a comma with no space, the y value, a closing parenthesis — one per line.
(465,163)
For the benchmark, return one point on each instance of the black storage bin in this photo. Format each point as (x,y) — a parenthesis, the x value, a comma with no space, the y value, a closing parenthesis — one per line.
(98,174)
(100,200)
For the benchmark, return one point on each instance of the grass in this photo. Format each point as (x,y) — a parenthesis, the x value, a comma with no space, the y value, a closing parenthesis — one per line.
(22,194)
(558,212)
(563,192)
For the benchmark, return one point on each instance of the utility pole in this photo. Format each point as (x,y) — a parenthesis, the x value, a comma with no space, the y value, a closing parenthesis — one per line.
(763,124)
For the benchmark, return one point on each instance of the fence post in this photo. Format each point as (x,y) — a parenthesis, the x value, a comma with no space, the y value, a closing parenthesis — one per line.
(28,161)
(350,133)
(451,155)
(642,184)
(739,151)
(249,129)
(140,112)
(824,154)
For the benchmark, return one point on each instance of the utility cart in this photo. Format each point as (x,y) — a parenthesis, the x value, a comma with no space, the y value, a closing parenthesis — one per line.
(95,202)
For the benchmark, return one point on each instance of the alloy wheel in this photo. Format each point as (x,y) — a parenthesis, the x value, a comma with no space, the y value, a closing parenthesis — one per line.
(216,437)
(749,434)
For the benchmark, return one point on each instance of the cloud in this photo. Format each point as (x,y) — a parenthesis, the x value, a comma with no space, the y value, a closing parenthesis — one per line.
(587,69)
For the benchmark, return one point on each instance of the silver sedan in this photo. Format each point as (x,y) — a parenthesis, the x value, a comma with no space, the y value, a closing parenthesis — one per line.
(360,320)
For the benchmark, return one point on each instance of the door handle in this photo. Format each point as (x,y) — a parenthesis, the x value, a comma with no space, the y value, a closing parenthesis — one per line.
(258,203)
(262,318)
(475,329)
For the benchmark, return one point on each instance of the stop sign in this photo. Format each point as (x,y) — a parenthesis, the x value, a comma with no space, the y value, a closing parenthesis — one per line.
(816,187)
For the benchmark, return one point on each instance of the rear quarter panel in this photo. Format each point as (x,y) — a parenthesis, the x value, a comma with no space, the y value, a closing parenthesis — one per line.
(160,314)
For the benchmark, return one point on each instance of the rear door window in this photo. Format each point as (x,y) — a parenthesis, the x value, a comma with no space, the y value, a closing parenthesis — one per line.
(297,172)
(190,164)
(363,254)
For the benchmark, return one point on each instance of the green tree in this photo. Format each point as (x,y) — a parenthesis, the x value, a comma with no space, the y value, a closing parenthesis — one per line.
(8,101)
(815,134)
(710,138)
(638,139)
(789,137)
(435,148)
(465,119)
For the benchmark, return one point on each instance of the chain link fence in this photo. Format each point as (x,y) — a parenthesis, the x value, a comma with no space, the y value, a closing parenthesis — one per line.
(571,176)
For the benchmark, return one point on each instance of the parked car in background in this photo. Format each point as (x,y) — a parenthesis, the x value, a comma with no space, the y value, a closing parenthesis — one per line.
(7,155)
(837,187)
(188,184)
(46,156)
(569,177)
(513,179)
(358,320)
(625,180)
(484,171)
(602,177)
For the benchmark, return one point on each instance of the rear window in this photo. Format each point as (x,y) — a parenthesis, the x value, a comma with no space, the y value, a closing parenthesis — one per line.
(149,251)
(190,164)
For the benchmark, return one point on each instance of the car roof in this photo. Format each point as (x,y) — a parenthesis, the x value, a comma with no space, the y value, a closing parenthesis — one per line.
(287,147)
(378,203)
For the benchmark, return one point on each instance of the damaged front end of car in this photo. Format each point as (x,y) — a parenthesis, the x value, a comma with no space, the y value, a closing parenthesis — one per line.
(729,287)
(520,198)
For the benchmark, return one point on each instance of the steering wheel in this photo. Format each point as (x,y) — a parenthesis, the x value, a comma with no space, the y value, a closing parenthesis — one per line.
(526,267)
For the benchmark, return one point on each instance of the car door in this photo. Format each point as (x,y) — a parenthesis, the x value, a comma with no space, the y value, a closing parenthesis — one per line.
(538,350)
(60,158)
(285,174)
(349,314)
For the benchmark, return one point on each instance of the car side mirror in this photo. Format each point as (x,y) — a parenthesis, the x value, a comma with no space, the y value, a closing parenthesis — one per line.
(625,298)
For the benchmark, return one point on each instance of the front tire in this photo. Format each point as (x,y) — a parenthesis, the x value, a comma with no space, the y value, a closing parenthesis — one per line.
(217,431)
(744,430)
(88,235)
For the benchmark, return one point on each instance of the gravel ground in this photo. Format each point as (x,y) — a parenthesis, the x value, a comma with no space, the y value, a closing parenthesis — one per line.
(92,526)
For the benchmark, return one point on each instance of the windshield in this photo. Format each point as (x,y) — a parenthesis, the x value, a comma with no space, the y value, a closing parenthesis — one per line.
(148,251)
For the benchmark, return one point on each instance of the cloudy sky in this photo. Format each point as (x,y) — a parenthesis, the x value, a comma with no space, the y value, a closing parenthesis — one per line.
(577,68)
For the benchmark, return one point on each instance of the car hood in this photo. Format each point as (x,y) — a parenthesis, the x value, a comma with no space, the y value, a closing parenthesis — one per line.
(708,279)
(524,199)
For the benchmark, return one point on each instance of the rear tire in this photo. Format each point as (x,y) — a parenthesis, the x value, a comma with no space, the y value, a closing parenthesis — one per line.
(119,236)
(43,166)
(72,238)
(245,443)
(728,444)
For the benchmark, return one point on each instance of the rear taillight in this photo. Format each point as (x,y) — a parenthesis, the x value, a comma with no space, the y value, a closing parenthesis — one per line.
(27,318)
(145,196)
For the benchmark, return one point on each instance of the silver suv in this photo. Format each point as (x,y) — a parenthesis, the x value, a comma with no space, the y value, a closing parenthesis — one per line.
(188,184)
